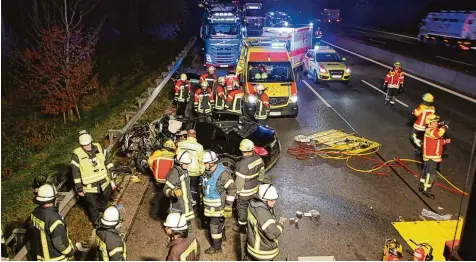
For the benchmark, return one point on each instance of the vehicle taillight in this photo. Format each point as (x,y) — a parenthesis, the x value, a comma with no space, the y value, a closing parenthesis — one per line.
(261,151)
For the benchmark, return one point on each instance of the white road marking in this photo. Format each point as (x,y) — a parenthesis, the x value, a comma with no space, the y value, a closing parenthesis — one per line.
(328,105)
(363,32)
(407,74)
(403,41)
(456,61)
(380,90)
(376,41)
(410,37)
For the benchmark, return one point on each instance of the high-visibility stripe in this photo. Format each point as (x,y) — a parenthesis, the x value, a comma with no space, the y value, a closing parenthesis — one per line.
(55,224)
(77,180)
(230,198)
(212,202)
(212,213)
(110,165)
(115,250)
(169,185)
(216,236)
(268,223)
(264,255)
(75,163)
(249,192)
(228,183)
(242,222)
(240,175)
(40,225)
(280,228)
(67,250)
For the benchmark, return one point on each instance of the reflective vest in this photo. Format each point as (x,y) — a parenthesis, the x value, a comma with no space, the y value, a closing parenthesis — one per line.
(249,175)
(318,34)
(203,101)
(161,162)
(421,112)
(184,249)
(211,196)
(182,90)
(229,81)
(433,143)
(220,97)
(262,106)
(178,178)
(115,249)
(394,78)
(234,101)
(92,171)
(196,168)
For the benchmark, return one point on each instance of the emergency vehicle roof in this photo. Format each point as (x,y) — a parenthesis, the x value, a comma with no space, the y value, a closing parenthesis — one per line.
(267,54)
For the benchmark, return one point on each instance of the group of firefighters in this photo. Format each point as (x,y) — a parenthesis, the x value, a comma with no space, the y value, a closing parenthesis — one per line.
(218,94)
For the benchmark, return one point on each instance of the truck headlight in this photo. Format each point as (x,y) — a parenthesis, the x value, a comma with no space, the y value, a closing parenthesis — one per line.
(294,99)
(209,58)
(252,99)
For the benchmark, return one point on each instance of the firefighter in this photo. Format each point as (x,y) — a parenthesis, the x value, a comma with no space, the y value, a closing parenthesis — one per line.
(204,102)
(234,100)
(393,83)
(177,186)
(109,239)
(219,192)
(209,77)
(161,162)
(196,167)
(433,143)
(318,35)
(230,79)
(182,94)
(249,175)
(262,104)
(90,166)
(50,234)
(425,109)
(263,228)
(182,247)
(220,94)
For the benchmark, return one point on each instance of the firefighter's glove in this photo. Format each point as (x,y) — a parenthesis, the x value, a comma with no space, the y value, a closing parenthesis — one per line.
(228,212)
(178,192)
(401,89)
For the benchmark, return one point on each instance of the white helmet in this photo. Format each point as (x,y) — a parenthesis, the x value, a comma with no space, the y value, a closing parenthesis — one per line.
(111,216)
(204,84)
(184,158)
(210,157)
(260,87)
(176,222)
(183,77)
(46,193)
(267,192)
(221,79)
(85,138)
(246,145)
(211,68)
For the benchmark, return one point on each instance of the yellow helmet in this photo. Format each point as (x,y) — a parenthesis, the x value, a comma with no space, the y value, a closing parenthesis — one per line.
(169,144)
(204,84)
(221,79)
(397,64)
(183,77)
(428,98)
(432,118)
(247,145)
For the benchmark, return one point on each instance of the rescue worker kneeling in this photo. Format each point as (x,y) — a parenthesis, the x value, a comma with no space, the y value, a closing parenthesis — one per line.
(177,187)
(109,240)
(234,100)
(421,112)
(219,192)
(181,246)
(50,235)
(263,229)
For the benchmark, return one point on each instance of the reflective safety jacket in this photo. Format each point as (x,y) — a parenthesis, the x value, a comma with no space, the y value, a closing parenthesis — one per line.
(394,78)
(196,168)
(210,78)
(50,235)
(220,97)
(318,33)
(161,162)
(249,175)
(178,178)
(182,90)
(262,106)
(229,79)
(184,249)
(112,246)
(204,101)
(90,169)
(421,112)
(234,101)
(263,231)
(219,191)
(433,143)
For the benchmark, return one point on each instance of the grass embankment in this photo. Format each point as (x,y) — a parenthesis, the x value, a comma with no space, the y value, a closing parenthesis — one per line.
(106,112)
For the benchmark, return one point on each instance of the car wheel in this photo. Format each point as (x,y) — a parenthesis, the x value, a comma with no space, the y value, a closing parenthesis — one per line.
(316,79)
(297,113)
(229,163)
(141,163)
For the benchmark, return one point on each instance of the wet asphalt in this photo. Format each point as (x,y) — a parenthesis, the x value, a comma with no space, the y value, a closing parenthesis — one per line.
(356,209)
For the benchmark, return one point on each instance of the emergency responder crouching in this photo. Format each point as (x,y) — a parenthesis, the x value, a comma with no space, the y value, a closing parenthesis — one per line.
(234,100)
(90,166)
(181,246)
(177,186)
(249,175)
(433,143)
(263,229)
(204,102)
(109,240)
(161,162)
(219,192)
(182,94)
(425,109)
(220,94)
(393,83)
(50,234)
(262,104)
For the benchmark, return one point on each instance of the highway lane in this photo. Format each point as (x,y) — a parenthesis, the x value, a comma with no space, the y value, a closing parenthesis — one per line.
(464,61)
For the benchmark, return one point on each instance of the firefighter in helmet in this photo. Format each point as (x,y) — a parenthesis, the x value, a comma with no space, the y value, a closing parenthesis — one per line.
(182,247)
(393,83)
(109,239)
(262,104)
(204,102)
(220,94)
(234,100)
(209,77)
(182,94)
(423,110)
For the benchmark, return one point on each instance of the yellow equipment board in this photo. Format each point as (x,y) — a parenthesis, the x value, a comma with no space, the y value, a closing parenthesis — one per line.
(344,142)
(435,233)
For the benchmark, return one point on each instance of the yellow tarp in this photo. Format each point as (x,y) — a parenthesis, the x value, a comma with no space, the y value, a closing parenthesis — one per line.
(343,142)
(435,233)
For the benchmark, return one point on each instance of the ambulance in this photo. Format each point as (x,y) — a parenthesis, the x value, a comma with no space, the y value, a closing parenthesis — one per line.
(266,61)
(298,39)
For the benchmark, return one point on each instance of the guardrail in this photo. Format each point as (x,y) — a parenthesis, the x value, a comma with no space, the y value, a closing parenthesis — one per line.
(67,199)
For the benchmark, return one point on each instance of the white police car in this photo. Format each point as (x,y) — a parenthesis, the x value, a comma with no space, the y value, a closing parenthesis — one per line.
(325,65)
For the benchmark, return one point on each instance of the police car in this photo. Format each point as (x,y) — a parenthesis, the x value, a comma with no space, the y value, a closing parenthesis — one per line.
(325,65)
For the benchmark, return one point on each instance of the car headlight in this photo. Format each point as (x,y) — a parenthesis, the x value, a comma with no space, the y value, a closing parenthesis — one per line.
(252,99)
(322,69)
(347,70)
(294,99)
(209,58)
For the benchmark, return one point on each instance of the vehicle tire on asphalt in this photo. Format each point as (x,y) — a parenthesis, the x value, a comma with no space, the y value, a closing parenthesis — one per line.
(297,113)
(316,79)
(141,163)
